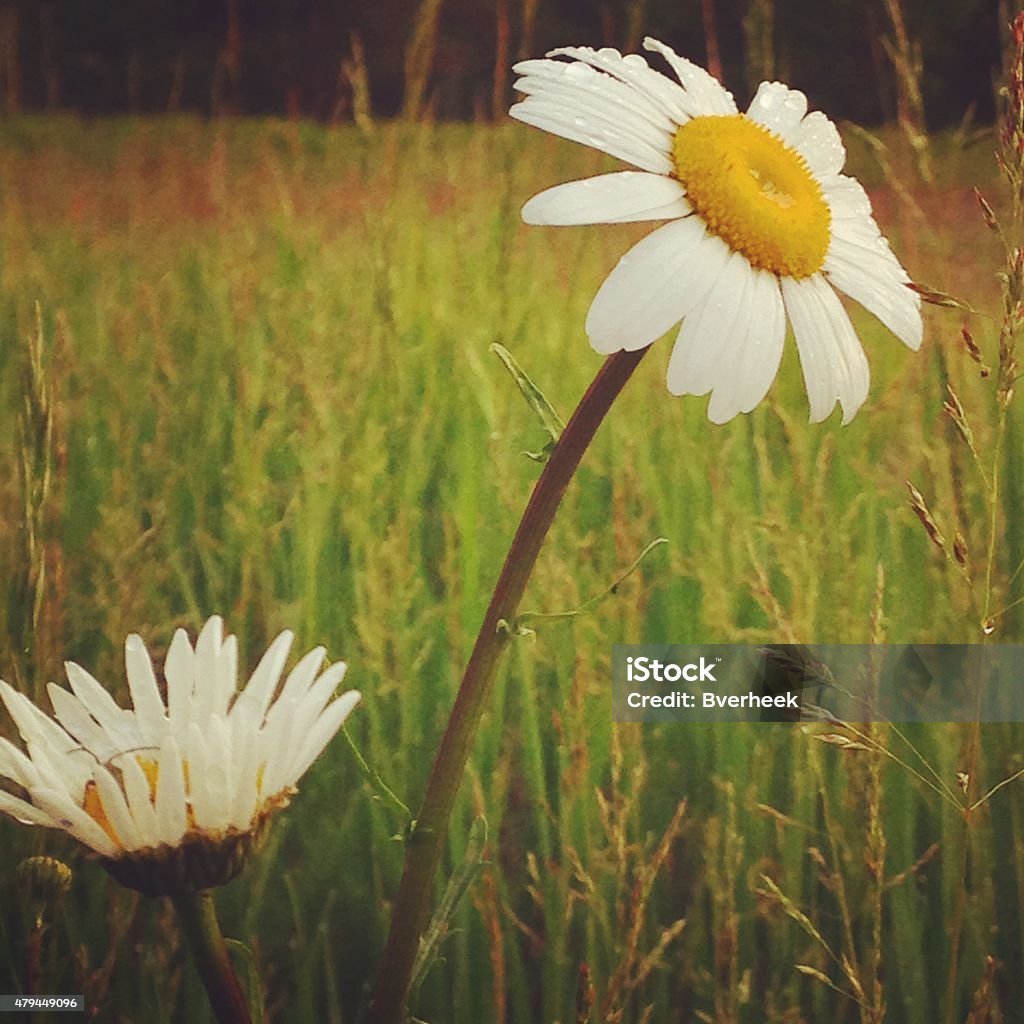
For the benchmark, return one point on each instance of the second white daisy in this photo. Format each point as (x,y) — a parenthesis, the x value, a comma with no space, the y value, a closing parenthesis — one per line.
(762,226)
(174,794)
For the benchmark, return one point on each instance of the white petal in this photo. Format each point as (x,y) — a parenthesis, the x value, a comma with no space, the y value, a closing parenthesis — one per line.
(579,103)
(581,87)
(244,796)
(14,765)
(313,703)
(227,670)
(278,738)
(712,330)
(116,722)
(779,108)
(211,636)
(73,715)
(36,728)
(654,285)
(871,274)
(834,364)
(149,706)
(40,771)
(606,130)
(255,699)
(180,673)
(609,199)
(140,802)
(846,197)
(202,789)
(321,691)
(208,685)
(170,803)
(27,814)
(302,676)
(704,93)
(817,141)
(634,69)
(325,729)
(220,762)
(746,372)
(762,352)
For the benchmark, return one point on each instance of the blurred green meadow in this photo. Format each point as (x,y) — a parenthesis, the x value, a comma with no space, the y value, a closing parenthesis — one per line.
(266,347)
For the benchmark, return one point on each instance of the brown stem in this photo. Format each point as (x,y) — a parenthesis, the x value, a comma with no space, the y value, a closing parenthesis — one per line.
(426,841)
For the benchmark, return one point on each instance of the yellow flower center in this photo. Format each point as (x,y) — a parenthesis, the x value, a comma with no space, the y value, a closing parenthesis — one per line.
(754,192)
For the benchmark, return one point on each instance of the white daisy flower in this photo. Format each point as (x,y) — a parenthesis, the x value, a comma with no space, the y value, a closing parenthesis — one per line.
(172,794)
(762,226)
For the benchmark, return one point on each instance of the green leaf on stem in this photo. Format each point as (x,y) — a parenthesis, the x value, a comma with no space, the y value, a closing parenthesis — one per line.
(536,399)
(458,885)
(521,624)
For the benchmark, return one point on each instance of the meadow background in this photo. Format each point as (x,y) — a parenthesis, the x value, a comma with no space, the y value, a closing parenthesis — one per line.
(260,384)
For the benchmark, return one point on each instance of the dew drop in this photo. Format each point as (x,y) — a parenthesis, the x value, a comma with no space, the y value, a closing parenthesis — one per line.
(609,53)
(634,60)
(578,71)
(988,626)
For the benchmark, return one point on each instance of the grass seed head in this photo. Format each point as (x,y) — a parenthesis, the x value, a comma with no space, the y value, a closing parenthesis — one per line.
(1011,156)
(954,409)
(986,211)
(972,349)
(920,509)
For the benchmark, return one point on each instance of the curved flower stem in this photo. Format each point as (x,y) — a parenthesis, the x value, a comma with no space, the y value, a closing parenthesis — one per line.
(426,841)
(198,918)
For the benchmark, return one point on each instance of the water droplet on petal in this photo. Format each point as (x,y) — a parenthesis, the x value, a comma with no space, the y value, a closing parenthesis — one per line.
(796,101)
(578,71)
(609,52)
(988,627)
(634,60)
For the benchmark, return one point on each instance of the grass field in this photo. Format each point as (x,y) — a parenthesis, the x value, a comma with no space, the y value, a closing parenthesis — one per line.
(273,398)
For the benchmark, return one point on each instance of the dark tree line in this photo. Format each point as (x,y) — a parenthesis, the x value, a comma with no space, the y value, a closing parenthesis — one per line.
(333,59)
